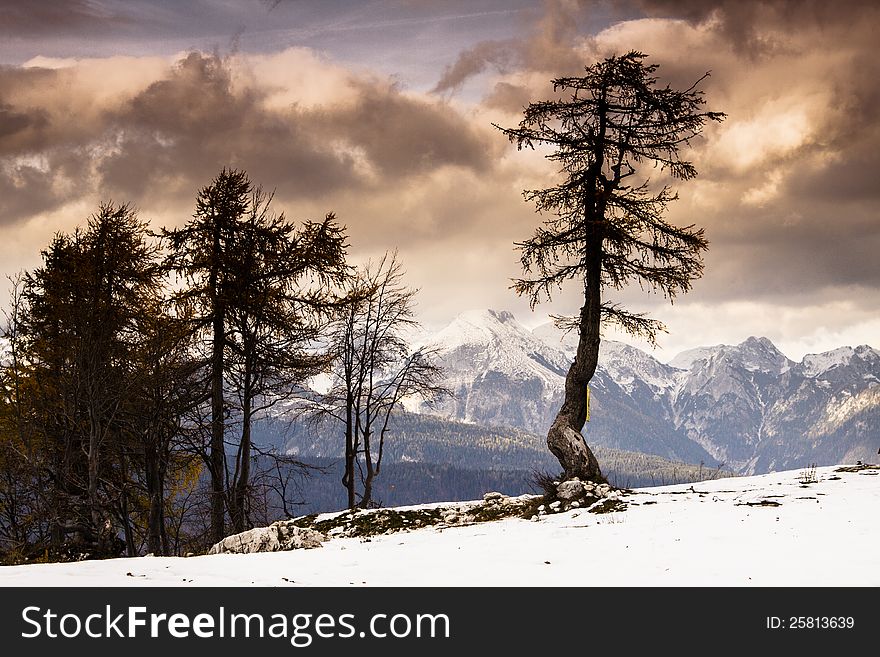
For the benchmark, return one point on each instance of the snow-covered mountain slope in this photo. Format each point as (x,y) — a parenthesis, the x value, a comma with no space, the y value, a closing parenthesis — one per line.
(756,410)
(747,405)
(770,530)
(494,339)
(824,365)
(625,364)
(500,373)
(504,375)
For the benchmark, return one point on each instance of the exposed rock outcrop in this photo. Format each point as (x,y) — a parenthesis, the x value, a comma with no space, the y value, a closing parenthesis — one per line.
(278,536)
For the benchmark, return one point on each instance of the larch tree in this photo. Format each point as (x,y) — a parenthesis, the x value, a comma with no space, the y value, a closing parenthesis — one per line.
(285,280)
(605,225)
(201,252)
(79,331)
(167,391)
(259,290)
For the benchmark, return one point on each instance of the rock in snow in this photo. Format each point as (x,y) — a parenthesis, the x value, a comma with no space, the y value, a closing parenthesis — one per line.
(276,537)
(570,490)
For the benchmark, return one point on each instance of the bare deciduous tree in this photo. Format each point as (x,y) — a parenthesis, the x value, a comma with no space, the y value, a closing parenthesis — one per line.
(375,371)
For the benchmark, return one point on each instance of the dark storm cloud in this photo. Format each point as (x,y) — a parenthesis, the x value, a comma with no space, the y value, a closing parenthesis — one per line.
(194,121)
(25,191)
(22,129)
(471,62)
(508,97)
(548,45)
(180,130)
(169,138)
(851,129)
(799,250)
(17,128)
(35,154)
(402,135)
(748,23)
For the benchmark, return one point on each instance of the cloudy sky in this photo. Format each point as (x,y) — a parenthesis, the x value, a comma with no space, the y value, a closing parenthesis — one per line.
(381,112)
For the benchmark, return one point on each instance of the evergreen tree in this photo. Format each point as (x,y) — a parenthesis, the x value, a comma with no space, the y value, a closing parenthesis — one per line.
(605,230)
(78,334)
(284,280)
(256,287)
(202,252)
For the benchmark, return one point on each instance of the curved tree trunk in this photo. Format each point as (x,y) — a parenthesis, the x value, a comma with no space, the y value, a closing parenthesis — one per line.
(564,438)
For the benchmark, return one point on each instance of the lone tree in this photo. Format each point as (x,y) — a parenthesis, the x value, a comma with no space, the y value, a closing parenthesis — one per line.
(607,226)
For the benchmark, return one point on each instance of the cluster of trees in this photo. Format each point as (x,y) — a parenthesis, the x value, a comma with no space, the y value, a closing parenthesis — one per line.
(135,365)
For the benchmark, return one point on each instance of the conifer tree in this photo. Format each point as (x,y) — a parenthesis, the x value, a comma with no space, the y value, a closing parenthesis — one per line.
(605,226)
(79,332)
(257,287)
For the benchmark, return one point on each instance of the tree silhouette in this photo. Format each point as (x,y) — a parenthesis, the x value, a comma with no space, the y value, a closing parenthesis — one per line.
(607,227)
(80,329)
(258,289)
(375,370)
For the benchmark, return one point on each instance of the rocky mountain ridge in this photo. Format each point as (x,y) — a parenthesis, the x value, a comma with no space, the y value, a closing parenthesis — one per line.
(747,405)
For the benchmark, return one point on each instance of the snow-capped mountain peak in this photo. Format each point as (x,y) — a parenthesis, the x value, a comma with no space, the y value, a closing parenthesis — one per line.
(759,354)
(820,365)
(624,363)
(817,364)
(494,341)
(754,354)
(499,372)
(746,405)
(686,359)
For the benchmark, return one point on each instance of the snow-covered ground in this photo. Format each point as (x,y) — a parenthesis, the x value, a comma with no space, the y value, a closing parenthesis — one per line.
(727,532)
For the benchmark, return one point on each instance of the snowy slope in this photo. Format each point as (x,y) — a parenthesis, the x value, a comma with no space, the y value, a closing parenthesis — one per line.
(491,340)
(768,530)
(686,359)
(817,365)
(624,363)
(756,410)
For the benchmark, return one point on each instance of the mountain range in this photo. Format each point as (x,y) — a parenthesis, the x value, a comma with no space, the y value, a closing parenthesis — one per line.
(746,406)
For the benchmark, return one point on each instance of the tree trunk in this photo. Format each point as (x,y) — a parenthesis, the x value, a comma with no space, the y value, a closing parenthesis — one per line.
(370,475)
(128,531)
(154,494)
(564,438)
(218,451)
(95,515)
(350,455)
(239,494)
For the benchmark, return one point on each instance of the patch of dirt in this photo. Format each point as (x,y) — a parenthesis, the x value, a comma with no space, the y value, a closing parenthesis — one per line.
(859,467)
(495,506)
(760,503)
